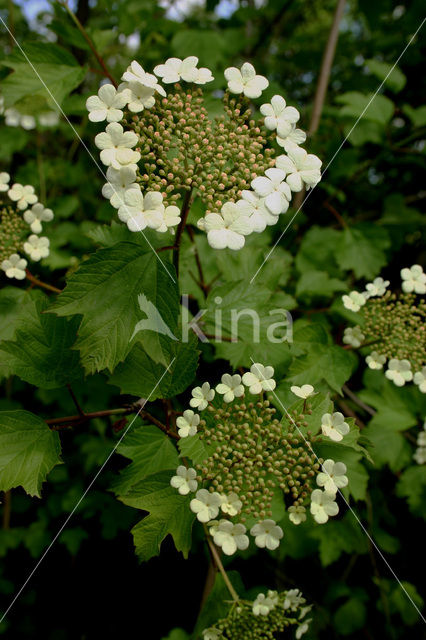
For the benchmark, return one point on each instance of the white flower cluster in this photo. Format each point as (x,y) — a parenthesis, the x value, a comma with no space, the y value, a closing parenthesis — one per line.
(355,300)
(270,194)
(420,453)
(34,214)
(14,118)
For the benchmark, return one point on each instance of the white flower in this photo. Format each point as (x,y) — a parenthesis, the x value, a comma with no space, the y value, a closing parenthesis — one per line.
(212,634)
(36,216)
(272,187)
(255,209)
(302,629)
(245,81)
(420,455)
(267,534)
(334,426)
(353,336)
(119,181)
(273,597)
(230,387)
(201,396)
(226,229)
(332,476)
(188,423)
(295,137)
(376,288)
(4,181)
(297,514)
(420,380)
(230,537)
(107,105)
(300,167)
(14,118)
(399,371)
(171,218)
(37,247)
(278,116)
(175,69)
(48,118)
(14,266)
(323,506)
(205,505)
(293,599)
(117,146)
(141,211)
(262,605)
(184,480)
(375,360)
(231,504)
(413,279)
(23,196)
(305,391)
(354,301)
(421,438)
(259,378)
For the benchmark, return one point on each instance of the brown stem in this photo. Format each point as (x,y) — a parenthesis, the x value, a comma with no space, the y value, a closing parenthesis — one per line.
(349,412)
(209,582)
(336,214)
(184,216)
(219,565)
(201,282)
(89,41)
(357,400)
(40,283)
(74,398)
(7,509)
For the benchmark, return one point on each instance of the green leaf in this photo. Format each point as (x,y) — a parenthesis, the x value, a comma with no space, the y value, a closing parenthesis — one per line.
(412,486)
(401,603)
(105,290)
(389,73)
(339,536)
(376,108)
(350,616)
(150,450)
(362,250)
(208,45)
(332,364)
(417,116)
(177,634)
(28,451)
(318,284)
(169,513)
(41,350)
(317,251)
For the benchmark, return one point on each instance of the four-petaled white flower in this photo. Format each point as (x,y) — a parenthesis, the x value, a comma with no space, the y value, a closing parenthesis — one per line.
(263,605)
(332,477)
(119,181)
(323,506)
(297,514)
(175,69)
(245,81)
(420,380)
(205,505)
(305,391)
(36,216)
(353,336)
(413,279)
(4,181)
(117,146)
(259,378)
(212,634)
(399,371)
(300,167)
(334,426)
(37,247)
(230,387)
(376,288)
(255,209)
(226,229)
(293,599)
(231,504)
(295,137)
(274,189)
(188,423)
(14,266)
(230,537)
(107,105)
(184,480)
(280,117)
(354,301)
(171,218)
(267,534)
(22,195)
(201,396)
(375,360)
(140,211)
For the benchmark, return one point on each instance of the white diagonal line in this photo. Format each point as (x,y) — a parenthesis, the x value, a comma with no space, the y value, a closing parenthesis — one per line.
(340,147)
(84,494)
(351,510)
(79,138)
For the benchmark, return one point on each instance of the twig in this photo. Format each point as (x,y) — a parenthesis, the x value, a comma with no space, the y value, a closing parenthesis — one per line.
(89,41)
(40,283)
(358,401)
(74,397)
(336,214)
(220,566)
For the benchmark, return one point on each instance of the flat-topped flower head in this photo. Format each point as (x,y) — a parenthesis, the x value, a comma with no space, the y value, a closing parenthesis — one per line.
(184,480)
(188,423)
(259,378)
(334,426)
(267,534)
(107,105)
(399,371)
(36,216)
(245,81)
(14,266)
(413,279)
(323,506)
(332,477)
